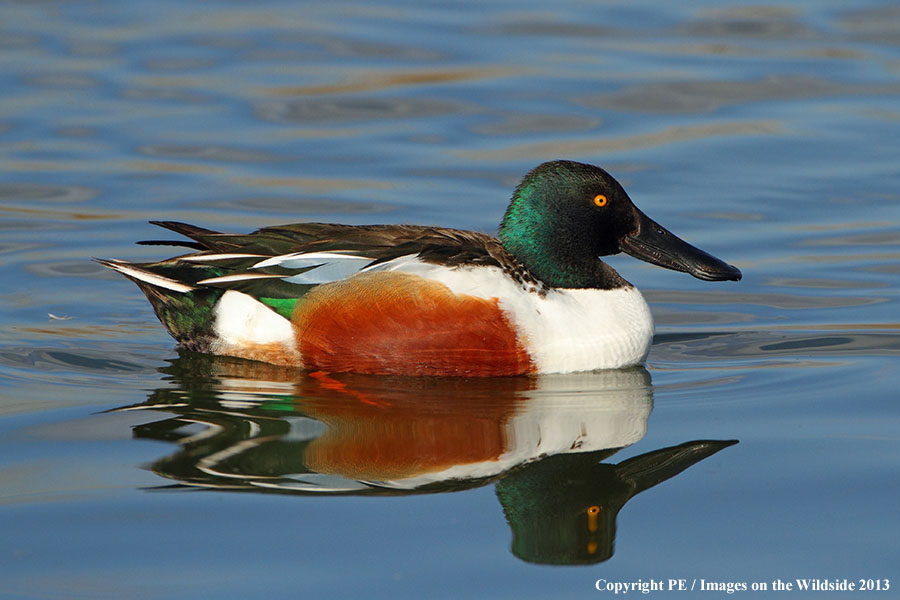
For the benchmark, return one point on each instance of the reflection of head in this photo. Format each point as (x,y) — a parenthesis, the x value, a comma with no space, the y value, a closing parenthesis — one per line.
(562,510)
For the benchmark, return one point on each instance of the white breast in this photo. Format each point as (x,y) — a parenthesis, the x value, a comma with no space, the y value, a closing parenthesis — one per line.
(584,329)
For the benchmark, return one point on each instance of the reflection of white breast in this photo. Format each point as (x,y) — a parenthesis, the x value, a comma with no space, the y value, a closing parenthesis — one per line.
(572,413)
(582,412)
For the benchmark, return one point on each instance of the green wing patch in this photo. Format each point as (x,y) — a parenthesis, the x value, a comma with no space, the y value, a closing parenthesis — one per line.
(283,306)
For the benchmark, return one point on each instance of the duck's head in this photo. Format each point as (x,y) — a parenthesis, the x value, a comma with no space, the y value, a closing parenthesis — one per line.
(564,215)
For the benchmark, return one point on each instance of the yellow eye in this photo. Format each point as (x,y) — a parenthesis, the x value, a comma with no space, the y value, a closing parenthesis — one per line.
(592,512)
(600,200)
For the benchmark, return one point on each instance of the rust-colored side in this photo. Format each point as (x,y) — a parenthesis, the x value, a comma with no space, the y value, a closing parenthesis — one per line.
(398,323)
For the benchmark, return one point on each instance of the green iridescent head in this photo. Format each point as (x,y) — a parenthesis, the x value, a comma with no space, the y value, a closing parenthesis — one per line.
(564,215)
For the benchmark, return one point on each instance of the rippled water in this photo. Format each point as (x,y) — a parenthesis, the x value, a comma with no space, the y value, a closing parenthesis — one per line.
(760,441)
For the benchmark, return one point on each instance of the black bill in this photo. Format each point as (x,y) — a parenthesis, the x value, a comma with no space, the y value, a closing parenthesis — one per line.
(656,245)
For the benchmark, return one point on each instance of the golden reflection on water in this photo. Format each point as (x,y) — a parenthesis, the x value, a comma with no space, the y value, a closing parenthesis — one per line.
(314,184)
(373,80)
(45,213)
(609,144)
(172,167)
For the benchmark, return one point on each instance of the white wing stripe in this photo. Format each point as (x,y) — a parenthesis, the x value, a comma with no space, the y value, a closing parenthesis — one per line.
(326,267)
(299,260)
(151,278)
(239,277)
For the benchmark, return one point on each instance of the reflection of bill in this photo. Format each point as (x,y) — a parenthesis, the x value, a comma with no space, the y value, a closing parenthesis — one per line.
(247,426)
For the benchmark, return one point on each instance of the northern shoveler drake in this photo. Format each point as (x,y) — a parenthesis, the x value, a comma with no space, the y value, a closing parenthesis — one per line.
(417,300)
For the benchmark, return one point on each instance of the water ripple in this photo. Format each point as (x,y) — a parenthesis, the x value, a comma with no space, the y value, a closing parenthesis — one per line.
(319,110)
(764,345)
(212,153)
(706,96)
(43,192)
(82,360)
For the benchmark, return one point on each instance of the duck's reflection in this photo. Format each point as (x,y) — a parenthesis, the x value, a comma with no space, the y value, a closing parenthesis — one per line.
(250,426)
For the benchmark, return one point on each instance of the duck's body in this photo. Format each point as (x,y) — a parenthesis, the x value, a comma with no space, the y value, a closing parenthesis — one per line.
(416,300)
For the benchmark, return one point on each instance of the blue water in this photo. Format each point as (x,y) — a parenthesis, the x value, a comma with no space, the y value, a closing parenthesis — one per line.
(764,134)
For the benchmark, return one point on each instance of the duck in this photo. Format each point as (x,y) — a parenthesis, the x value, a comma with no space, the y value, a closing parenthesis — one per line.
(417,300)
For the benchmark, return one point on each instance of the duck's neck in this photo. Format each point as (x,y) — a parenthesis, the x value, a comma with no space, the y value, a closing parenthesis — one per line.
(555,250)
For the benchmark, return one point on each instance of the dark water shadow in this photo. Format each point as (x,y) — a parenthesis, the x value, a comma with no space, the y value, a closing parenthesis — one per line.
(43,361)
(543,442)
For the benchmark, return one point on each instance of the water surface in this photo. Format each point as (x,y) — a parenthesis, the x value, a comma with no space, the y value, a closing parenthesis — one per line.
(759,442)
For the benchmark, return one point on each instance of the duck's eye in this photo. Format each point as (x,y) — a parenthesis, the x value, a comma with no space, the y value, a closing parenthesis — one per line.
(600,200)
